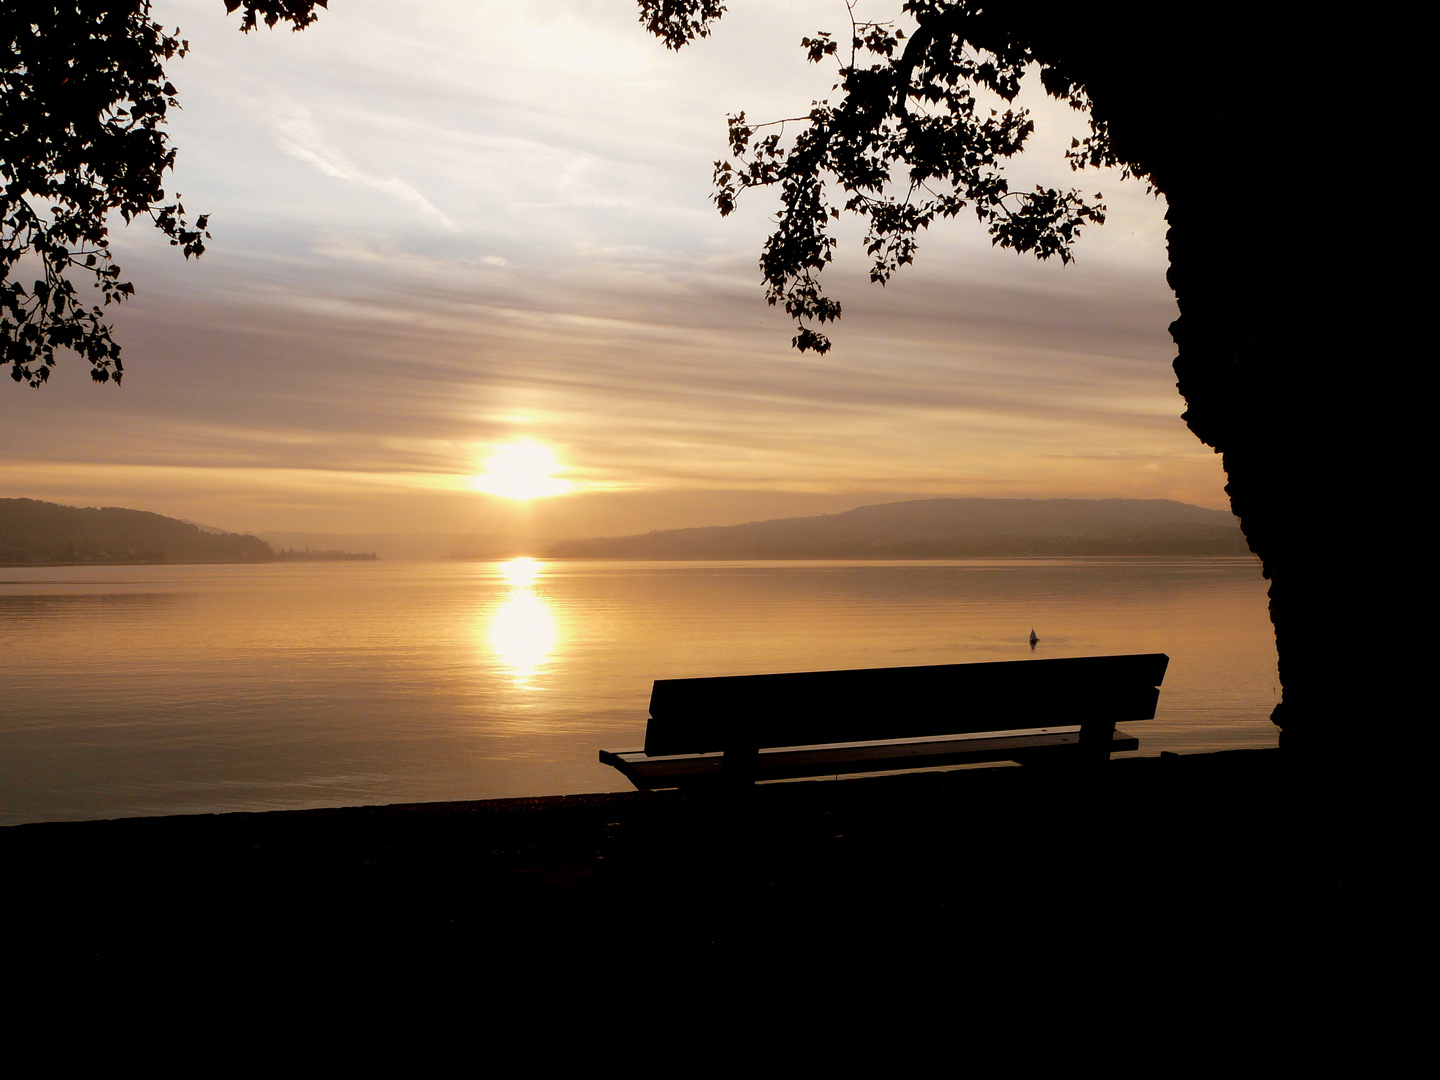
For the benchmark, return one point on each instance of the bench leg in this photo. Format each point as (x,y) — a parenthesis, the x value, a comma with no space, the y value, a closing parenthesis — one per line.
(1095,739)
(739,767)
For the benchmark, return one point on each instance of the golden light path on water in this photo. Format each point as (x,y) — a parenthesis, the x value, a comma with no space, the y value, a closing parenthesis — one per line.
(522,629)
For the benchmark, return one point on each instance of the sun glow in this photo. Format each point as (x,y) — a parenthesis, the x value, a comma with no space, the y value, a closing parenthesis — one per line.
(522,471)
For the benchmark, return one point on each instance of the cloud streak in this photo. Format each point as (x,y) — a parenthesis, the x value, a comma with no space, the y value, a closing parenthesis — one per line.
(299,135)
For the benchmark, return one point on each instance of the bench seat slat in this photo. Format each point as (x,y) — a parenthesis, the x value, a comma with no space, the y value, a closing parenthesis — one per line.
(677,770)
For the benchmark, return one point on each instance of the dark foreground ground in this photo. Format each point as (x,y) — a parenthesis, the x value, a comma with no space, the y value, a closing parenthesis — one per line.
(1212,874)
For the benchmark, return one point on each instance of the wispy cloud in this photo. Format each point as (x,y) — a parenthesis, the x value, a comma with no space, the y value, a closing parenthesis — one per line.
(300,135)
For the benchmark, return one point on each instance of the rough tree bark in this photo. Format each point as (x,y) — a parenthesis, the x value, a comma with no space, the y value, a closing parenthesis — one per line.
(1216,107)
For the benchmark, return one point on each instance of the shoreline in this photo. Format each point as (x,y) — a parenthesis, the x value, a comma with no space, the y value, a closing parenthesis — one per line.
(1190,848)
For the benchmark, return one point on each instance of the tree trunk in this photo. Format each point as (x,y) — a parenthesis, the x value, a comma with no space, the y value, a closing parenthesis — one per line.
(1225,109)
(1244,351)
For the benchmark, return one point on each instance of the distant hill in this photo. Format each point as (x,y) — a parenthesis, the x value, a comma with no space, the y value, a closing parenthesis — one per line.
(946,529)
(34,532)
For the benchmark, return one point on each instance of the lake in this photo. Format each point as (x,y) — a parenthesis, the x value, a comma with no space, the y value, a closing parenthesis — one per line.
(184,689)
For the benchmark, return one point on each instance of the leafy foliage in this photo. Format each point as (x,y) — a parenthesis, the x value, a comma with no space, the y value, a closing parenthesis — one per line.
(677,22)
(908,142)
(83,102)
(299,13)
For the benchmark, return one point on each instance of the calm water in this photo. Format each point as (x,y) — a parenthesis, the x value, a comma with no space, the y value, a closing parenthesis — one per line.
(157,690)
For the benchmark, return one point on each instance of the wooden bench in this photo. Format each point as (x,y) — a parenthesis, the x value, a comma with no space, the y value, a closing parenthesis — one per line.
(743,728)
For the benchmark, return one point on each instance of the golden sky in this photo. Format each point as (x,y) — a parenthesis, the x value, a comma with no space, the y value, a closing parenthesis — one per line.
(445,229)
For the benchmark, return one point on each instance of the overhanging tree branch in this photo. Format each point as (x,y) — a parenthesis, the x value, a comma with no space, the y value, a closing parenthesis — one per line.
(83,104)
(906,144)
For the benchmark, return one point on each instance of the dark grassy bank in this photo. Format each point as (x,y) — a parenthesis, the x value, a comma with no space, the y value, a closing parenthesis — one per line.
(1004,881)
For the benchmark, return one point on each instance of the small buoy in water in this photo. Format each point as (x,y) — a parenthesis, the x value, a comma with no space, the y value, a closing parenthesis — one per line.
(1033,639)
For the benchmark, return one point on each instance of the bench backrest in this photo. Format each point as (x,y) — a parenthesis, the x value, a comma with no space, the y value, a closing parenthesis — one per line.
(696,716)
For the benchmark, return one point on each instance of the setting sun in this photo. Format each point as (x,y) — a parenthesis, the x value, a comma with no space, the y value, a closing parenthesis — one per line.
(522,471)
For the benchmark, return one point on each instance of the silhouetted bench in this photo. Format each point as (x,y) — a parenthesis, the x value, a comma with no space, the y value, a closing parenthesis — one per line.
(744,728)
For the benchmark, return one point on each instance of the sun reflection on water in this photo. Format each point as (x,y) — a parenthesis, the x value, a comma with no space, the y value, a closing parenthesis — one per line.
(522,628)
(521,572)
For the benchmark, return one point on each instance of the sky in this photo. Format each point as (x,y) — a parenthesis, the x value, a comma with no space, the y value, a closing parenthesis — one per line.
(447,231)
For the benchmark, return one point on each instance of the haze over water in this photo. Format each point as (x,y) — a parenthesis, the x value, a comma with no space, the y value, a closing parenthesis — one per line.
(185,689)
